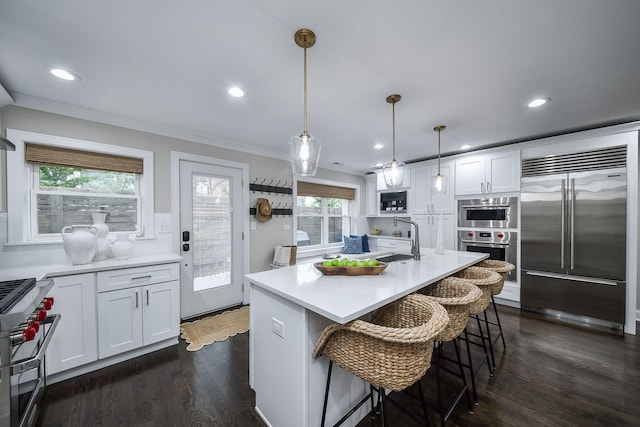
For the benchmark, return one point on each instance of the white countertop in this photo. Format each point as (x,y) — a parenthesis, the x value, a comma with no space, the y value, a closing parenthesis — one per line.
(346,298)
(54,270)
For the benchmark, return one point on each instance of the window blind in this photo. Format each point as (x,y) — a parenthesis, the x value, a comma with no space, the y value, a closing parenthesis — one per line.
(321,190)
(58,156)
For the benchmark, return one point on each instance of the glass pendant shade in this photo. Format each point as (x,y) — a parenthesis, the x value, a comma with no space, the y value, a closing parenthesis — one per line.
(305,153)
(440,184)
(393,173)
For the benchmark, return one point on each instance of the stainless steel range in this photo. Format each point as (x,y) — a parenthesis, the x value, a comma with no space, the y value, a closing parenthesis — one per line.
(25,332)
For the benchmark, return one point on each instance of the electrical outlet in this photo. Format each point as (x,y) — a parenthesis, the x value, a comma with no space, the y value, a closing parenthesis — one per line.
(277,327)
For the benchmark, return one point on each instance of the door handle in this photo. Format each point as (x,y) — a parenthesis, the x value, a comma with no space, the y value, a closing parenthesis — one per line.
(185,247)
(563,202)
(571,225)
(185,236)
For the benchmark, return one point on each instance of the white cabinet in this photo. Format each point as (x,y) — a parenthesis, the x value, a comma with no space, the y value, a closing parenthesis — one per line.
(488,173)
(382,185)
(74,342)
(372,195)
(386,244)
(422,198)
(428,226)
(143,309)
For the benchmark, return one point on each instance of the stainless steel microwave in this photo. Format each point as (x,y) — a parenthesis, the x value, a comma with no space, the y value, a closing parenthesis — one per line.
(393,203)
(498,212)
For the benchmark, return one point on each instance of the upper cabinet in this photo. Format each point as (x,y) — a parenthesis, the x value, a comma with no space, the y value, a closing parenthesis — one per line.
(488,173)
(421,197)
(372,195)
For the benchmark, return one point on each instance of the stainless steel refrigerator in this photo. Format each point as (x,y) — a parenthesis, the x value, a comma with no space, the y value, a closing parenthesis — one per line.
(573,236)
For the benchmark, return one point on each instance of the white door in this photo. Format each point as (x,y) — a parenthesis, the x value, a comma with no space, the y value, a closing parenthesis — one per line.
(211,237)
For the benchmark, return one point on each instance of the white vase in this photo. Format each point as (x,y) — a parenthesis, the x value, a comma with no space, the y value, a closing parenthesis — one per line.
(121,247)
(80,243)
(103,250)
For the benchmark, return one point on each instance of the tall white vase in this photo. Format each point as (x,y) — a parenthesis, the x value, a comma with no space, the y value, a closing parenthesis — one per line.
(104,246)
(79,243)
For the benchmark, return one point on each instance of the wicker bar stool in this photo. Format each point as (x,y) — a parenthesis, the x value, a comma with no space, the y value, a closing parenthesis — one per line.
(485,280)
(502,268)
(393,351)
(456,296)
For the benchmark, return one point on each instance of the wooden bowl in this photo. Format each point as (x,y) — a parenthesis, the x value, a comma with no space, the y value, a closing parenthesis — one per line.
(341,270)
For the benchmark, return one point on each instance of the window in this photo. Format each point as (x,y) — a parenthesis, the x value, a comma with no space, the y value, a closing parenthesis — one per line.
(323,214)
(54,182)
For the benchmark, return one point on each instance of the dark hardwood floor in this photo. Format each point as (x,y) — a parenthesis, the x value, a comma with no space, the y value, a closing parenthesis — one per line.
(551,374)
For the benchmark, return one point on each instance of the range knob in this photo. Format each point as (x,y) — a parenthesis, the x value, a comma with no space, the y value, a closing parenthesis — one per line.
(40,315)
(27,334)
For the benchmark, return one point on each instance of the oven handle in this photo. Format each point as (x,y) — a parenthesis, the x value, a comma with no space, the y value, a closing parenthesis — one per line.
(34,362)
(485,206)
(488,244)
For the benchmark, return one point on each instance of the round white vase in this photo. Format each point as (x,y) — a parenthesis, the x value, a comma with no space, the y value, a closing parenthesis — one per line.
(121,247)
(80,243)
(103,250)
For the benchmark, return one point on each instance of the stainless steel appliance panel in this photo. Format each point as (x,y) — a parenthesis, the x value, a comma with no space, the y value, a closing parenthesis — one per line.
(597,224)
(597,302)
(497,212)
(543,223)
(499,244)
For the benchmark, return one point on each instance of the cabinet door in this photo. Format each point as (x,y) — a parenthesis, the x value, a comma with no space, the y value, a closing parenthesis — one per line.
(420,193)
(161,312)
(448,231)
(74,342)
(470,175)
(425,227)
(443,202)
(119,321)
(373,201)
(503,172)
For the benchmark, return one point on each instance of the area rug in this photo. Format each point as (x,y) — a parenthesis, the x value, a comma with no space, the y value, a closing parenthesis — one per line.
(215,328)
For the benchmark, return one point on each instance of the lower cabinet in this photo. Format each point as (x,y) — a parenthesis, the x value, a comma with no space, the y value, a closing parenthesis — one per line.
(138,316)
(74,343)
(428,225)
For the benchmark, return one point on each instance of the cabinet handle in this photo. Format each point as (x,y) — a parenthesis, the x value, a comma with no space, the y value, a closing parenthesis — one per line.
(488,187)
(482,187)
(136,299)
(147,296)
(148,276)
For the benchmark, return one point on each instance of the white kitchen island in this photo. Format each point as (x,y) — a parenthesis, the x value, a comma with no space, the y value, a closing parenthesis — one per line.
(291,306)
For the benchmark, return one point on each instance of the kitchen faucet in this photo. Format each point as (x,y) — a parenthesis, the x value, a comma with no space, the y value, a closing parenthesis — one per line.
(415,243)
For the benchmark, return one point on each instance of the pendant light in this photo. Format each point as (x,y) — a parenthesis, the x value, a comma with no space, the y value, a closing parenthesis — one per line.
(440,182)
(305,150)
(394,171)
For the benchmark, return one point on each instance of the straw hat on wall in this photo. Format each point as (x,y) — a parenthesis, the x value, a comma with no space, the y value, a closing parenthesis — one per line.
(263,210)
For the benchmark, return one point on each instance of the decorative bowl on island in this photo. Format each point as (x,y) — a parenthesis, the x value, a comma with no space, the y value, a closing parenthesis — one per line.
(344,270)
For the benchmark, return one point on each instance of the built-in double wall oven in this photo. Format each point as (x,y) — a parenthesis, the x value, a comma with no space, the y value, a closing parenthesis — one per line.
(489,226)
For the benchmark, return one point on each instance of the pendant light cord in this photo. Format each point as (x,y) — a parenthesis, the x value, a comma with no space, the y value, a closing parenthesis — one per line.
(439,151)
(393,120)
(304,132)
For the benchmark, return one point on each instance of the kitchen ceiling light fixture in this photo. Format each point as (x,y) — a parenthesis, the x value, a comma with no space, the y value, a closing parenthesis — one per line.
(63,74)
(305,150)
(236,92)
(538,102)
(394,171)
(440,182)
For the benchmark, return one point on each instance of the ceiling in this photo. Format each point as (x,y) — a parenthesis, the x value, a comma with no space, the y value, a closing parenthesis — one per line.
(165,66)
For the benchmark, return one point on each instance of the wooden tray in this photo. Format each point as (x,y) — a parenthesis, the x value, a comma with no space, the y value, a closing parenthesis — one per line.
(340,270)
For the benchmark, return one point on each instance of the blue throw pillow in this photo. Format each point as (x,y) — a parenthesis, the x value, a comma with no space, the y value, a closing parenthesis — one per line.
(352,245)
(365,242)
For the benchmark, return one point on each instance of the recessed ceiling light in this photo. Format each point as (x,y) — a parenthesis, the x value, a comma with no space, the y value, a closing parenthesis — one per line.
(63,74)
(378,146)
(465,147)
(538,102)
(236,92)
(379,165)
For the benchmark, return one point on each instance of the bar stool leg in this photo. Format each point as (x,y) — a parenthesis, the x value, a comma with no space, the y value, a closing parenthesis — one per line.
(471,371)
(463,376)
(493,357)
(484,345)
(495,309)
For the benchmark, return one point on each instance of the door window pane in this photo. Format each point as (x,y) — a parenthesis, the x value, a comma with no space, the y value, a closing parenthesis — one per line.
(211,238)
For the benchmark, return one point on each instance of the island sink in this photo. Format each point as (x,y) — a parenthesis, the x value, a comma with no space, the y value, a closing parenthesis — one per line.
(394,257)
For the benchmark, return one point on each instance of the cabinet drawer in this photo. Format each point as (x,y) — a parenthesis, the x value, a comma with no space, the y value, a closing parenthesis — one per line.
(384,244)
(137,276)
